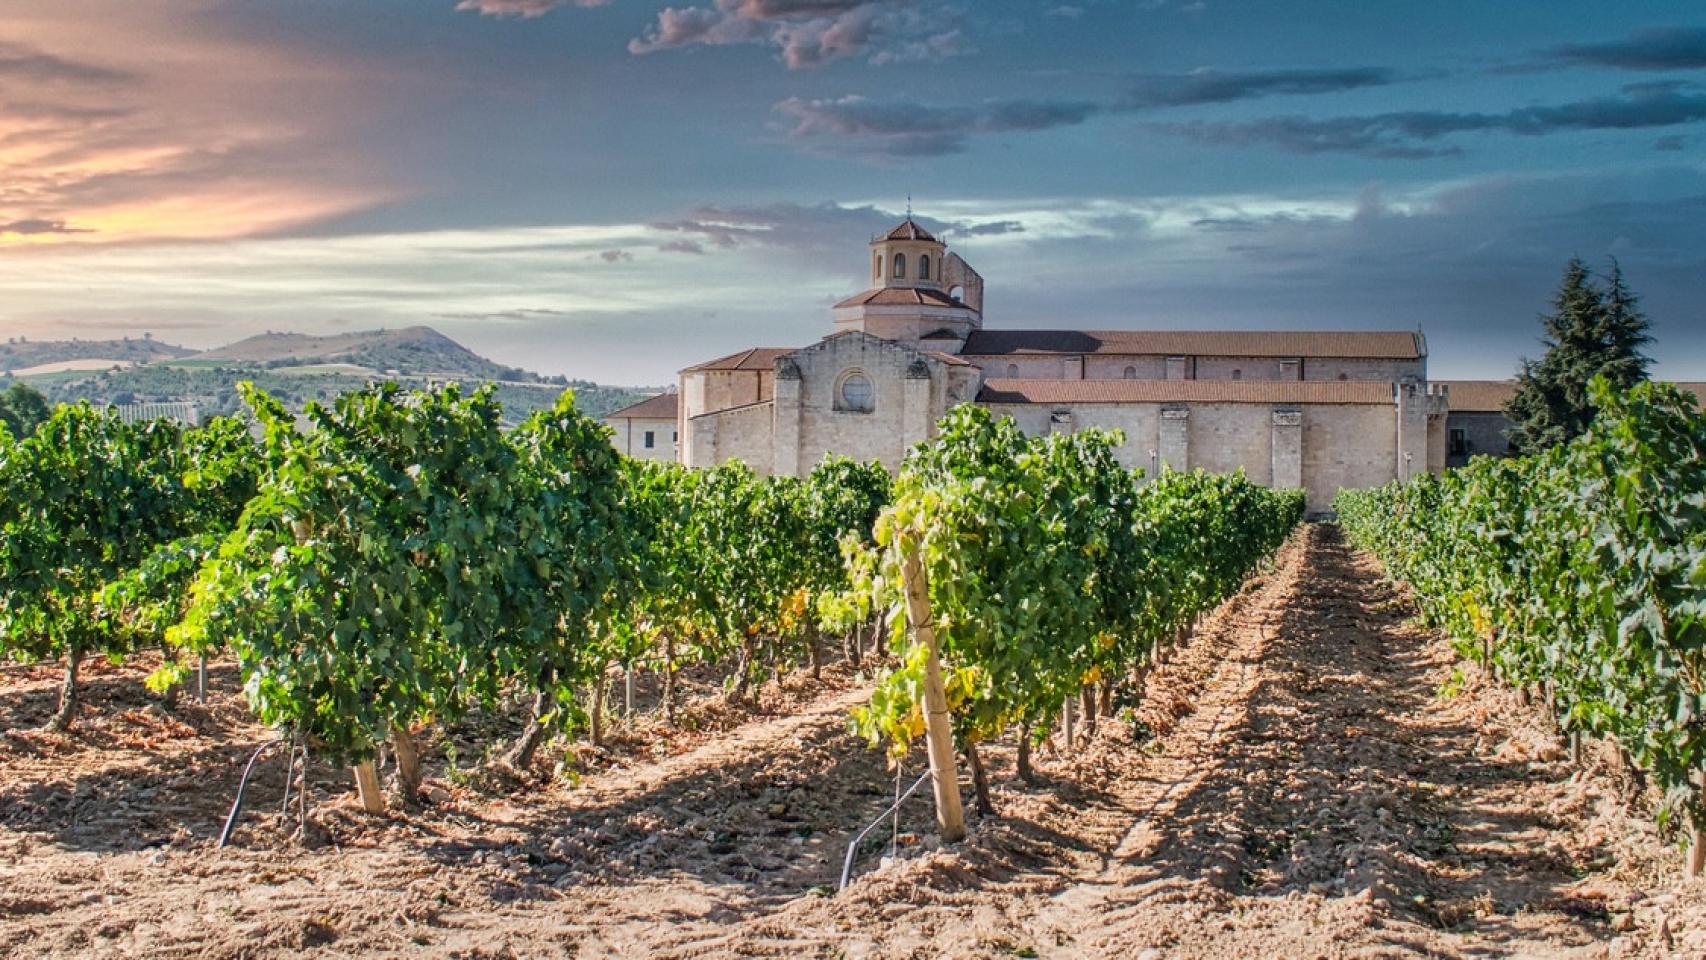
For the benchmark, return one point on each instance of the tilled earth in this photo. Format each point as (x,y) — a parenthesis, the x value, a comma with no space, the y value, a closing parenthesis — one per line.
(1311,775)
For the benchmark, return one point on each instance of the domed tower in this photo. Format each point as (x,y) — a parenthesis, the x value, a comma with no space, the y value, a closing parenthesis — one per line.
(919,292)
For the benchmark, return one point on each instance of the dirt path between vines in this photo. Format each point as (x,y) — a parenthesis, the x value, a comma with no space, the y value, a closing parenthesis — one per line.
(1294,783)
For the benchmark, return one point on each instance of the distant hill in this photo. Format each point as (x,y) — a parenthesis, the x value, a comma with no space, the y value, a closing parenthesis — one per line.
(410,351)
(27,354)
(295,368)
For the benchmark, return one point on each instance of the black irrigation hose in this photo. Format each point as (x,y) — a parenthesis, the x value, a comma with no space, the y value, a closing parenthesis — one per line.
(237,803)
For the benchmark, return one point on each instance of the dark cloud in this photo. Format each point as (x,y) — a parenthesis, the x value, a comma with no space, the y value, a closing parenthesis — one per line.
(809,33)
(29,64)
(35,226)
(523,9)
(991,228)
(1415,134)
(1219,86)
(682,246)
(1666,48)
(1670,143)
(904,128)
(614,256)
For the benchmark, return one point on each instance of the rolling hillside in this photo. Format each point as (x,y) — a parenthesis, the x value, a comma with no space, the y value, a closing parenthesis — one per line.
(296,368)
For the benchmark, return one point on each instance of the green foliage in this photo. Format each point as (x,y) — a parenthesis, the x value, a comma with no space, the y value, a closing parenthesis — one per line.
(1593,331)
(1049,566)
(86,499)
(378,576)
(1583,567)
(22,409)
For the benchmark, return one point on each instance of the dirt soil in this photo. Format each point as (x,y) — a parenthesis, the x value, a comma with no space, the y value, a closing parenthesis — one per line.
(1310,775)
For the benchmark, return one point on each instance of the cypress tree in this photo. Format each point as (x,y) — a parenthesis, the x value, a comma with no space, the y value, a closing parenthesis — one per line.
(1591,331)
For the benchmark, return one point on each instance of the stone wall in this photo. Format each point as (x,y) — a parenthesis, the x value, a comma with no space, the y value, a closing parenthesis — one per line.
(1485,432)
(630,438)
(1346,446)
(911,394)
(743,433)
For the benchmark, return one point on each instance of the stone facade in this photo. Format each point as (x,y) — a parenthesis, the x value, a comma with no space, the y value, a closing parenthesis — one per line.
(648,430)
(1320,411)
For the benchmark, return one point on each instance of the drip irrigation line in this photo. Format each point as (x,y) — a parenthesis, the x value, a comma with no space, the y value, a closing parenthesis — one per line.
(894,808)
(237,802)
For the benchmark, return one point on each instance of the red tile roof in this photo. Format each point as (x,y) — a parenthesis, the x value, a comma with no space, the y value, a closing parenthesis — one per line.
(1186,391)
(753,358)
(908,230)
(1477,396)
(664,406)
(1357,344)
(901,297)
(1490,396)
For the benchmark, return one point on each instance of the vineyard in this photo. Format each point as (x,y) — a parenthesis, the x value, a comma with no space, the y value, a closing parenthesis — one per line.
(497,691)
(1580,575)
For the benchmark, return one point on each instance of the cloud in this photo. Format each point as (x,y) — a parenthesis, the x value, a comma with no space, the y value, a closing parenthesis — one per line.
(27,63)
(35,226)
(1665,48)
(1670,143)
(1065,11)
(809,33)
(1417,134)
(614,256)
(1217,86)
(682,246)
(992,228)
(523,9)
(861,126)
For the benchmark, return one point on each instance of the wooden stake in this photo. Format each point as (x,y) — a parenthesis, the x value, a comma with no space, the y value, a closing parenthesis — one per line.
(938,731)
(408,761)
(367,787)
(1696,867)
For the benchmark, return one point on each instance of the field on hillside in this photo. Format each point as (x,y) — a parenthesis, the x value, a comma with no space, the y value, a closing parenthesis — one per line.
(1308,775)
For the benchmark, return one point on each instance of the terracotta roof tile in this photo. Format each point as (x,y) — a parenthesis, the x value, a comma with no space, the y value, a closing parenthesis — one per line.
(908,230)
(1477,396)
(901,297)
(1186,391)
(1490,396)
(664,406)
(948,358)
(1359,344)
(754,358)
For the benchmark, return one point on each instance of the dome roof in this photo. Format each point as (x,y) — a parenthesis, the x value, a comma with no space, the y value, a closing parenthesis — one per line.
(908,230)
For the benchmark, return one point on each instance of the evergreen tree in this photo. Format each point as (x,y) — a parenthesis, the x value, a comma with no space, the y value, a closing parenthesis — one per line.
(1591,331)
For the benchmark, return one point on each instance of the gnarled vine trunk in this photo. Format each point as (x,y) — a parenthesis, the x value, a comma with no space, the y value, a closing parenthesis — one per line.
(521,755)
(979,781)
(68,691)
(408,761)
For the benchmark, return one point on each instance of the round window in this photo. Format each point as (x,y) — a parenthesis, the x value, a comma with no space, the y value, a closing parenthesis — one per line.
(856,392)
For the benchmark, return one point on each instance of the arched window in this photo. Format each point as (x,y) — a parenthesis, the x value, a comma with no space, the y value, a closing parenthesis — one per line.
(855,393)
(924,266)
(1130,373)
(1012,369)
(1343,377)
(876,266)
(1237,374)
(900,266)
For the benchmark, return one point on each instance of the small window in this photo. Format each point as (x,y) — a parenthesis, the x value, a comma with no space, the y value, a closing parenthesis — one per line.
(1344,376)
(1458,441)
(856,393)
(1130,373)
(900,266)
(1012,369)
(1237,374)
(876,266)
(651,440)
(675,436)
(924,266)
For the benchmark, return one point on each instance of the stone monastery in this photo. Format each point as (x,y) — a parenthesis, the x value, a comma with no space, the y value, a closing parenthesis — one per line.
(1318,411)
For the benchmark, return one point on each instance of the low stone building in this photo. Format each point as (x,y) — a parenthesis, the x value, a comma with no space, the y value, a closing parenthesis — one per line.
(648,430)
(1476,424)
(1316,410)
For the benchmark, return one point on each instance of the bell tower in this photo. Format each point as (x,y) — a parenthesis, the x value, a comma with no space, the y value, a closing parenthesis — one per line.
(907,256)
(920,293)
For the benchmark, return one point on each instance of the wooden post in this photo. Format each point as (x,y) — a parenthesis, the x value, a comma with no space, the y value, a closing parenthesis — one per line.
(201,680)
(1696,867)
(938,731)
(408,761)
(367,787)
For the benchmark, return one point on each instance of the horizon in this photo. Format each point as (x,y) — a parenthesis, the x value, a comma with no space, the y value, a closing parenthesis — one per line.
(612,191)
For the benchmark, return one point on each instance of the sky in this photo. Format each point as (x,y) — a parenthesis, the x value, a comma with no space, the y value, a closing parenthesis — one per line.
(615,189)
